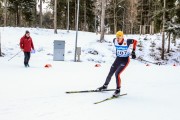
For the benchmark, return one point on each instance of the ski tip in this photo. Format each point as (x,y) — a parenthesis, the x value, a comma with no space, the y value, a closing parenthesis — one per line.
(123,94)
(119,95)
(68,92)
(97,102)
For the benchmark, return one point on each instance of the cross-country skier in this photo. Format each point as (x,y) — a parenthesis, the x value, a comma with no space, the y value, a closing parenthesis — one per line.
(26,45)
(122,60)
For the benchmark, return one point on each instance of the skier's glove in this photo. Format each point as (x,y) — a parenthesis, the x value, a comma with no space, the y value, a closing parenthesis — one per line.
(133,54)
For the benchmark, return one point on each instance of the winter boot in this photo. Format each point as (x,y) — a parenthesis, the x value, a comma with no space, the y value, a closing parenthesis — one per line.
(104,87)
(25,65)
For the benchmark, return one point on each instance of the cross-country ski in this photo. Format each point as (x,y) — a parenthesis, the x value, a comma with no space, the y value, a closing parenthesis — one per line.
(110,98)
(87,91)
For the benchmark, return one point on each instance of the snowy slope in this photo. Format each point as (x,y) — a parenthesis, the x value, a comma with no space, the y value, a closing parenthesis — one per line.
(38,93)
(92,50)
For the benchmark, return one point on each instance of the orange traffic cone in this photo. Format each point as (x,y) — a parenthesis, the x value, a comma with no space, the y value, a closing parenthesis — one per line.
(97,65)
(147,65)
(48,66)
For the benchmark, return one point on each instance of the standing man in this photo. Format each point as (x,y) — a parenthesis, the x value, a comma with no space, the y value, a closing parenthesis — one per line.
(122,60)
(26,45)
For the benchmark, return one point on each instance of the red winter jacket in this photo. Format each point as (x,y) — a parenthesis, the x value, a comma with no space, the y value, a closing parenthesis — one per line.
(26,43)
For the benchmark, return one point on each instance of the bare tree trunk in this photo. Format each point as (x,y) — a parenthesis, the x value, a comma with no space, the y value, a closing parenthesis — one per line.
(55,16)
(67,15)
(0,45)
(85,21)
(75,13)
(115,22)
(141,25)
(169,40)
(163,35)
(96,18)
(5,13)
(35,14)
(152,28)
(102,20)
(174,39)
(132,26)
(40,14)
(144,29)
(17,16)
(140,29)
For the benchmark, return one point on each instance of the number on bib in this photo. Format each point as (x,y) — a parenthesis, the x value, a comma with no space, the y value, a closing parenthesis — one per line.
(121,53)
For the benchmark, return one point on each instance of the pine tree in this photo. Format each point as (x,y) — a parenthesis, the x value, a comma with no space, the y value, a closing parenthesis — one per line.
(28,11)
(22,9)
(145,12)
(86,16)
(15,7)
(90,16)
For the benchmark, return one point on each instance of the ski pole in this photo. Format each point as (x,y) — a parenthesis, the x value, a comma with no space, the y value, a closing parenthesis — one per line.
(14,55)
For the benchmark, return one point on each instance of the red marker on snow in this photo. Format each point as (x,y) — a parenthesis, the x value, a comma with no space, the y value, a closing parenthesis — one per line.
(48,66)
(97,65)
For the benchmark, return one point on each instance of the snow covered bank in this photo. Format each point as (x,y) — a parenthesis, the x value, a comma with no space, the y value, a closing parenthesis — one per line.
(148,45)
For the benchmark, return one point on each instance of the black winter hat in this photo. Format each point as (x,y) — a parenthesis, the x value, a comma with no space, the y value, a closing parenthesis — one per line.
(27,32)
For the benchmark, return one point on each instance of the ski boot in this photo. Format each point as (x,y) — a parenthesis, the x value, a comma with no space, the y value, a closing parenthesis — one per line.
(104,87)
(117,92)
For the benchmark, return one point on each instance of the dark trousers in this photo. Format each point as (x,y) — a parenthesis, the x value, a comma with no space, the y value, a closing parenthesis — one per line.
(117,67)
(27,56)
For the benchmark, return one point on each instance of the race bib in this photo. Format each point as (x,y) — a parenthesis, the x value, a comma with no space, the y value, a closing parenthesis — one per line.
(122,51)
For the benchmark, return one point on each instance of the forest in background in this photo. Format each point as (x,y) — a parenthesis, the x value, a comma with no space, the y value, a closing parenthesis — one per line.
(131,16)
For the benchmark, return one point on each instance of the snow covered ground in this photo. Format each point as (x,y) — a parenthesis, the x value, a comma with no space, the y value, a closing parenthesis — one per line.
(93,51)
(38,93)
